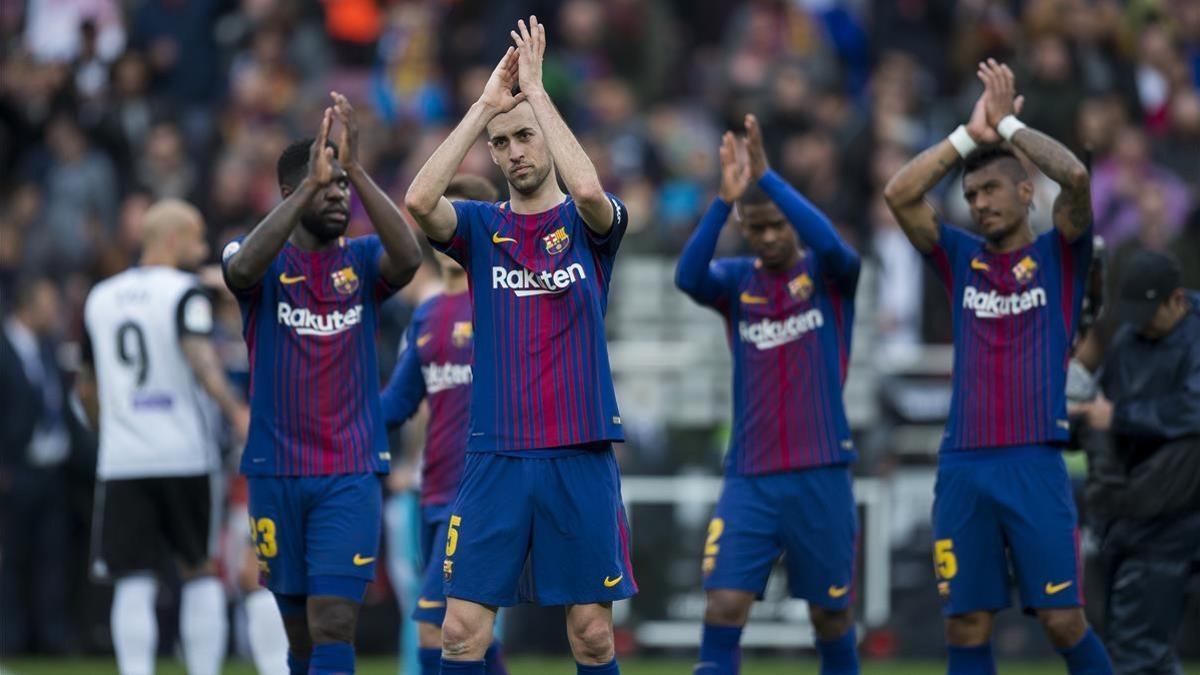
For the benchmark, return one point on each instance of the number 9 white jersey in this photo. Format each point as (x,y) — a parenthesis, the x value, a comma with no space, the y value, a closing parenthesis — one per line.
(155,420)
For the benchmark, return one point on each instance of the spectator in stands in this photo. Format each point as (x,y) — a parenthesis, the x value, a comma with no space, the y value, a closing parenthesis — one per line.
(35,443)
(1150,404)
(1119,180)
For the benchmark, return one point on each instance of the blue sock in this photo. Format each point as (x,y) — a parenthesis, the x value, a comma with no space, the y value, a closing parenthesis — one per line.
(971,660)
(1087,657)
(332,658)
(297,665)
(609,668)
(495,660)
(463,667)
(431,660)
(720,650)
(840,656)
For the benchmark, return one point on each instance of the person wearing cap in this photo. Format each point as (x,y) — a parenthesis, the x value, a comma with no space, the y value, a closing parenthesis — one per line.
(1148,410)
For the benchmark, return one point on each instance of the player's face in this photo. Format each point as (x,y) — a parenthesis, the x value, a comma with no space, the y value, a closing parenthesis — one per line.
(193,249)
(328,212)
(770,235)
(999,203)
(519,149)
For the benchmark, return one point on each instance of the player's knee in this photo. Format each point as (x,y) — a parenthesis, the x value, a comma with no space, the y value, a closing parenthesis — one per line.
(461,639)
(333,622)
(969,630)
(592,641)
(725,608)
(1064,627)
(830,624)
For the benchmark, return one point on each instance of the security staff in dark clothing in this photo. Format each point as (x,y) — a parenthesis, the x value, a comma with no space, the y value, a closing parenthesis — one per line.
(1150,405)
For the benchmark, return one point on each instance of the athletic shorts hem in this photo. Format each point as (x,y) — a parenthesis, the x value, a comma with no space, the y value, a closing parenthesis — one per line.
(831,604)
(722,586)
(433,615)
(481,600)
(958,611)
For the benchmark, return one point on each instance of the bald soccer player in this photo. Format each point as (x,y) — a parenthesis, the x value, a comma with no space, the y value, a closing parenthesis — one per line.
(149,380)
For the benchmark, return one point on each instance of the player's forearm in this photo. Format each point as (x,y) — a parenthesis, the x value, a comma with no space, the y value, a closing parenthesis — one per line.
(693,274)
(85,389)
(1073,206)
(402,253)
(920,175)
(813,226)
(206,366)
(264,242)
(425,193)
(402,396)
(572,163)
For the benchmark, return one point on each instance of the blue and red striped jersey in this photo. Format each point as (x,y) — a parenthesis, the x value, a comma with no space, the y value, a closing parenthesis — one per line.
(309,325)
(539,291)
(1015,316)
(435,364)
(790,334)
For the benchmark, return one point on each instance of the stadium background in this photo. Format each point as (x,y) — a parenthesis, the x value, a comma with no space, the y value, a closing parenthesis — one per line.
(106,105)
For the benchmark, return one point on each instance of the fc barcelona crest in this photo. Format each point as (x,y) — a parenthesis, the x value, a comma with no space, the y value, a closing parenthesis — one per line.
(462,333)
(556,241)
(345,281)
(801,287)
(1024,270)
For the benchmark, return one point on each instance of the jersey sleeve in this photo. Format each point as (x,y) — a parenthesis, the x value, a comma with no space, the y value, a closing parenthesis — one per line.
(227,254)
(608,243)
(953,245)
(834,258)
(459,246)
(369,250)
(697,275)
(194,314)
(405,389)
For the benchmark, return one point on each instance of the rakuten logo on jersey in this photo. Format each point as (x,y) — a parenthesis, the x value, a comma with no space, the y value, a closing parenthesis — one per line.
(307,323)
(443,376)
(768,334)
(993,305)
(524,282)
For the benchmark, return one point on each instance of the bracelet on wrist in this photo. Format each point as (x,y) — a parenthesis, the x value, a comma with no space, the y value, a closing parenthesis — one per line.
(1009,126)
(962,141)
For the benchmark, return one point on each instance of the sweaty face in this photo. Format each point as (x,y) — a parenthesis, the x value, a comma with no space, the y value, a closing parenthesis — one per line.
(999,203)
(519,149)
(327,214)
(771,236)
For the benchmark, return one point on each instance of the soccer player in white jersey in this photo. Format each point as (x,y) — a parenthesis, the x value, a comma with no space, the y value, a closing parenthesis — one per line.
(152,372)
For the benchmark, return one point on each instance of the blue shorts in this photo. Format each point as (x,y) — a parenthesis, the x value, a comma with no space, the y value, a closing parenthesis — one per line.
(996,506)
(561,512)
(806,516)
(317,527)
(431,605)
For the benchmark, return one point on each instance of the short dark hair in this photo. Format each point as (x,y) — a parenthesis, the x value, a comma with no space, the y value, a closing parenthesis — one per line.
(754,196)
(293,161)
(989,154)
(472,187)
(25,288)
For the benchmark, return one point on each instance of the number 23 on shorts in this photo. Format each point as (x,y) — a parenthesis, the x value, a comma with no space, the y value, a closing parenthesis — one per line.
(262,532)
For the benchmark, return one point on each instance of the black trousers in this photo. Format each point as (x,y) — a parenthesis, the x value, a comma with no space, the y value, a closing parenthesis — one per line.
(35,557)
(1152,562)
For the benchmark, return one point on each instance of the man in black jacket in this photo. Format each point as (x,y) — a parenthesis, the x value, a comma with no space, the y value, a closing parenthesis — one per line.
(1150,406)
(35,444)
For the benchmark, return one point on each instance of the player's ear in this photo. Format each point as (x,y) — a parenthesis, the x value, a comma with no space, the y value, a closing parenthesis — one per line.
(1025,190)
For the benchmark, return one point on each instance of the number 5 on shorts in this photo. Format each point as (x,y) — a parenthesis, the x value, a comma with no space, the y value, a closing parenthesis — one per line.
(452,535)
(943,559)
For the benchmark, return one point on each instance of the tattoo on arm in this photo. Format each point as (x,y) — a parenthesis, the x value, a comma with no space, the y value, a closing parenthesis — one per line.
(1073,207)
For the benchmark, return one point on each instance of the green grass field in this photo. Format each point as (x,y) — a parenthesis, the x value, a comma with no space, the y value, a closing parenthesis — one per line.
(540,666)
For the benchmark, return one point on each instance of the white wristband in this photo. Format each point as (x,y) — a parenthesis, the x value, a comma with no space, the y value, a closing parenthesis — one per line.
(1009,126)
(962,141)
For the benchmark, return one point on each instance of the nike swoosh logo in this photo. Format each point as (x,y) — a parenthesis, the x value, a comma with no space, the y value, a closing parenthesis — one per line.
(1051,589)
(838,591)
(286,280)
(497,239)
(424,340)
(748,299)
(977,265)
(359,561)
(609,583)
(429,604)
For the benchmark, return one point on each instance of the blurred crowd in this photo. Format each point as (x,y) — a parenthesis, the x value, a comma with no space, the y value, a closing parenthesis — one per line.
(108,105)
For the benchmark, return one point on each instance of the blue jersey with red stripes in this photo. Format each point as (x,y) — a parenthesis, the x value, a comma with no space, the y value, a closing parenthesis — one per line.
(309,325)
(539,289)
(435,364)
(1015,316)
(790,334)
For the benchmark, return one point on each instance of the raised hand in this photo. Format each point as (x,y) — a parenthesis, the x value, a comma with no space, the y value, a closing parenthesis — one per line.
(348,135)
(735,171)
(320,157)
(531,47)
(755,149)
(999,91)
(497,93)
